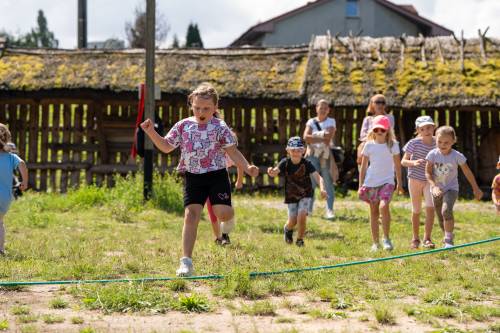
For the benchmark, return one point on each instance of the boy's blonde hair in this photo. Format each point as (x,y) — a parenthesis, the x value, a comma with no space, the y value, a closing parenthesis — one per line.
(446,130)
(370,110)
(390,138)
(5,137)
(205,91)
(322,101)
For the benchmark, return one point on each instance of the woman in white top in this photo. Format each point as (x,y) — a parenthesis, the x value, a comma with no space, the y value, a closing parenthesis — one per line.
(318,135)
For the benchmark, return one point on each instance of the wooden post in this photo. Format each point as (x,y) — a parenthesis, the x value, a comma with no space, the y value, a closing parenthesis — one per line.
(44,145)
(482,44)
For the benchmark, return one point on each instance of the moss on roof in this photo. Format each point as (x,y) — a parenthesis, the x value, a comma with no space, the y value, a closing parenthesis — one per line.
(344,71)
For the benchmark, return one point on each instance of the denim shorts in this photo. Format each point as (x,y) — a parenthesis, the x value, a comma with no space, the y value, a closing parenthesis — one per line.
(297,207)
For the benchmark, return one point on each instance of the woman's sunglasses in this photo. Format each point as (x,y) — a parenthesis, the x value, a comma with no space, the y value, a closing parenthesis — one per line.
(379,130)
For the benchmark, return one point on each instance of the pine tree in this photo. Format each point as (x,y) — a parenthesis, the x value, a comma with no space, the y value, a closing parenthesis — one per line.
(175,43)
(193,38)
(38,37)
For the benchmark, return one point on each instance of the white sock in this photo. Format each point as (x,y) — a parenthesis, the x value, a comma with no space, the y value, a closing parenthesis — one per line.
(227,227)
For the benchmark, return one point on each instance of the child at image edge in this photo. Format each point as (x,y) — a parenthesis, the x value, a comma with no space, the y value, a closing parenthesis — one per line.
(8,163)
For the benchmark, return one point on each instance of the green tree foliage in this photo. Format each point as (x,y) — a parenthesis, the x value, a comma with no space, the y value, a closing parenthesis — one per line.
(40,36)
(193,38)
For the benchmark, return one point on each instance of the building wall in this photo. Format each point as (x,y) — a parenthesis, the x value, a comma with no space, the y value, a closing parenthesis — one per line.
(374,19)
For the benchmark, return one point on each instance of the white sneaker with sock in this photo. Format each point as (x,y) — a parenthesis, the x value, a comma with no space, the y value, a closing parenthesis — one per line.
(330,215)
(185,268)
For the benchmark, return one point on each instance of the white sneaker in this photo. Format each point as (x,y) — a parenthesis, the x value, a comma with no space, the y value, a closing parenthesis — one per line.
(330,215)
(387,244)
(375,247)
(186,267)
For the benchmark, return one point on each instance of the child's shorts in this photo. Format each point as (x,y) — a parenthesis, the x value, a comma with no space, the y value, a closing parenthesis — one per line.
(376,194)
(214,185)
(299,207)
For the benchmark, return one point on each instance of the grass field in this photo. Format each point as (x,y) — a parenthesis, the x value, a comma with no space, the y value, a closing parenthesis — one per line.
(95,233)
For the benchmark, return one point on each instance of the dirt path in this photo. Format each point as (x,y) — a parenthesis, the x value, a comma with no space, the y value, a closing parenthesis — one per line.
(221,320)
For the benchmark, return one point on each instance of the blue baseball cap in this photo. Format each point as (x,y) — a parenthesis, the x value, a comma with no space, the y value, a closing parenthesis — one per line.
(295,142)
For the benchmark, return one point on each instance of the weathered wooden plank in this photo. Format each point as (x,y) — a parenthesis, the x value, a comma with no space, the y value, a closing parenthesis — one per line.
(44,145)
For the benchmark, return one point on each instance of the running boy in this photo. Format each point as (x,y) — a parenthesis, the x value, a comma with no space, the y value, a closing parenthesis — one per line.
(298,187)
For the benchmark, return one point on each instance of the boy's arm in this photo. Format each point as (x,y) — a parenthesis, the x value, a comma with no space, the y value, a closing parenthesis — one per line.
(24,175)
(241,162)
(478,194)
(319,180)
(310,138)
(159,142)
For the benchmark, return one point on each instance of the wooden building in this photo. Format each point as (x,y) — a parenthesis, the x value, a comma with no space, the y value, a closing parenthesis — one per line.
(72,113)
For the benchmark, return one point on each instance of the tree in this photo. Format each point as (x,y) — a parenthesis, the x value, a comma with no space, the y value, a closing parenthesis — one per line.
(175,43)
(136,32)
(38,37)
(193,38)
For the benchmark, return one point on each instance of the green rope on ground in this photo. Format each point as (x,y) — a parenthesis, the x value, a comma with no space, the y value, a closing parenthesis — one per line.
(252,274)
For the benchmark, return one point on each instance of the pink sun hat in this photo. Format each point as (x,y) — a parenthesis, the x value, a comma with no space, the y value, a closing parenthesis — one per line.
(382,122)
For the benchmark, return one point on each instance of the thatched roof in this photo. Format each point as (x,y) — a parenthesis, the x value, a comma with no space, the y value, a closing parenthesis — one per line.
(346,71)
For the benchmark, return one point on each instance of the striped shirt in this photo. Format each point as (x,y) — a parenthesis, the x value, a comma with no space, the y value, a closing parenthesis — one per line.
(418,150)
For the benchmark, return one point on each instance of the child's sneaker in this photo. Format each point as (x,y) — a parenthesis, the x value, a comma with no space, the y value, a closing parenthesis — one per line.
(218,241)
(387,244)
(375,247)
(225,240)
(186,267)
(299,242)
(288,235)
(448,243)
(329,214)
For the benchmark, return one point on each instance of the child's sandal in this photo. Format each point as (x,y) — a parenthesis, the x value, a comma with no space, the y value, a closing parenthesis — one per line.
(415,244)
(428,244)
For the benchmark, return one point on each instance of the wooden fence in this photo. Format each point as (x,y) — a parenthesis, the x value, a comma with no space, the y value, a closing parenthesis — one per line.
(70,141)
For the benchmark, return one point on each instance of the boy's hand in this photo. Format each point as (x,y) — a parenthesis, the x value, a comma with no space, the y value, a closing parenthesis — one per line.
(478,194)
(436,191)
(324,195)
(271,172)
(418,162)
(23,186)
(147,126)
(252,171)
(238,185)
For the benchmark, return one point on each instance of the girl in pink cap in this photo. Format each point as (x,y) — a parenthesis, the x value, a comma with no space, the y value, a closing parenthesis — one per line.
(376,179)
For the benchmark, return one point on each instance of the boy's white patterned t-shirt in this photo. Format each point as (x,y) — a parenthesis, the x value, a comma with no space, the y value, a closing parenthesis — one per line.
(201,145)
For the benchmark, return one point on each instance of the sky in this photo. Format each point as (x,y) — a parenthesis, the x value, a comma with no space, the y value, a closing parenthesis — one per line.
(220,21)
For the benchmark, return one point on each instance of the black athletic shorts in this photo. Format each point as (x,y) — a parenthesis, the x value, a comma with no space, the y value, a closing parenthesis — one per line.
(214,185)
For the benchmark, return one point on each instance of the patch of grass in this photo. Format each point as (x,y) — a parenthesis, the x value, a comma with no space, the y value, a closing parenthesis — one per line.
(132,297)
(29,329)
(284,320)
(384,315)
(482,312)
(87,330)
(438,298)
(18,310)
(77,320)
(178,285)
(317,313)
(28,318)
(238,284)
(193,303)
(442,311)
(52,319)
(4,325)
(58,303)
(259,308)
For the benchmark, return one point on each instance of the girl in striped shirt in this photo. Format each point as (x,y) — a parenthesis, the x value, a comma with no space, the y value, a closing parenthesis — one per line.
(415,152)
